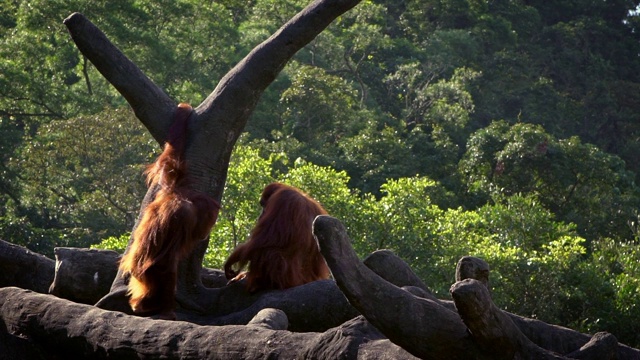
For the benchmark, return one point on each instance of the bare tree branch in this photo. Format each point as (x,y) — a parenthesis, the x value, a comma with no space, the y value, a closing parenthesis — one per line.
(150,103)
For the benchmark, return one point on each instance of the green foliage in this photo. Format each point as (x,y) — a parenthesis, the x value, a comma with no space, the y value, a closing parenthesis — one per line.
(616,264)
(318,103)
(248,175)
(578,182)
(79,181)
(115,243)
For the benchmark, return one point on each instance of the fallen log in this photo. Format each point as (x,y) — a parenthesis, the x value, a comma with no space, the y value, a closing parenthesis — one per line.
(57,328)
(24,268)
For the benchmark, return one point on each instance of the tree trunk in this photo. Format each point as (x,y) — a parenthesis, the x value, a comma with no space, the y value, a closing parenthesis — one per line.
(216,126)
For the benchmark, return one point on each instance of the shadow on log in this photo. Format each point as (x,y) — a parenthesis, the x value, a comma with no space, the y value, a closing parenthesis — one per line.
(381,294)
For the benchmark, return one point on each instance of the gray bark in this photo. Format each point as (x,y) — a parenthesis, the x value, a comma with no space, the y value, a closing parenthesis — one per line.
(318,308)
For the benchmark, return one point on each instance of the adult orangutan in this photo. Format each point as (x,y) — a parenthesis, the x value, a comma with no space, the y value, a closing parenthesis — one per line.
(171,225)
(281,251)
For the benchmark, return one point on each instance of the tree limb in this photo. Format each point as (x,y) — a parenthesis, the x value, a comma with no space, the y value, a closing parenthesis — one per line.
(150,103)
(426,328)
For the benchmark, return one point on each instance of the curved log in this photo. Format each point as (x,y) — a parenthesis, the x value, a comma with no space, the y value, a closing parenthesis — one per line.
(269,318)
(56,328)
(554,338)
(421,326)
(417,324)
(396,271)
(601,346)
(490,327)
(470,267)
(316,306)
(84,275)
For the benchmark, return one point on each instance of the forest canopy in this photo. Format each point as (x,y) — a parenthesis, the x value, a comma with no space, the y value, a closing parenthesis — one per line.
(506,130)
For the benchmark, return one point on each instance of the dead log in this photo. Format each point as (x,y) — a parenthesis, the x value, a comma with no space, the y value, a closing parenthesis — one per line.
(86,275)
(554,338)
(601,346)
(396,271)
(24,268)
(309,311)
(494,330)
(273,319)
(82,275)
(56,328)
(491,329)
(316,306)
(470,267)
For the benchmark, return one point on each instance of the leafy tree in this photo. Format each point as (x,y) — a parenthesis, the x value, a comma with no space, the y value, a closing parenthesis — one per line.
(615,266)
(320,108)
(532,256)
(79,181)
(577,182)
(248,175)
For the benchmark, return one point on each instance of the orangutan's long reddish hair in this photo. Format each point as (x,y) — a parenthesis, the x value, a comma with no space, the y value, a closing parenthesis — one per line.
(281,251)
(171,225)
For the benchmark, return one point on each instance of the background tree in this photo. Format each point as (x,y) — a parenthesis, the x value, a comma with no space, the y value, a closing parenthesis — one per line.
(80,181)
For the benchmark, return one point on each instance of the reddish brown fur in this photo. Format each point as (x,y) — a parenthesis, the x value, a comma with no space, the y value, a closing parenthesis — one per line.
(281,251)
(170,227)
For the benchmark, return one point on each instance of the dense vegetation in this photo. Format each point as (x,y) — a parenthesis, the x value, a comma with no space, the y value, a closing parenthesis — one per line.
(506,130)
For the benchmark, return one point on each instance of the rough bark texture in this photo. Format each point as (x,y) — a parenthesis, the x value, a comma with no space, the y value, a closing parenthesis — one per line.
(421,326)
(24,268)
(82,275)
(56,328)
(470,267)
(149,102)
